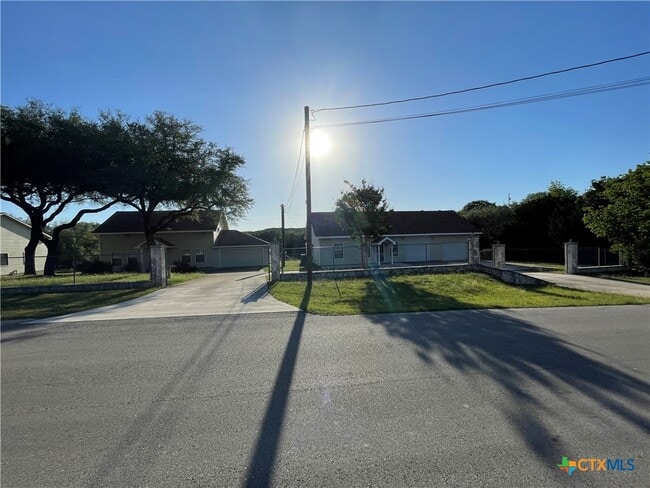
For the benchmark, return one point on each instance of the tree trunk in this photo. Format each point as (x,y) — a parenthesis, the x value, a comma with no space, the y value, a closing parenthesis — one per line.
(52,255)
(30,250)
(364,252)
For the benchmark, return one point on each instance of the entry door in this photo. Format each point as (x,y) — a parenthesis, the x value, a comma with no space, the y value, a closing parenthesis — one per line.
(381,254)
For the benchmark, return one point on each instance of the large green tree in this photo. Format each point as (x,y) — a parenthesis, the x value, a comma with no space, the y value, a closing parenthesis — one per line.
(494,221)
(52,159)
(79,244)
(363,212)
(619,209)
(164,164)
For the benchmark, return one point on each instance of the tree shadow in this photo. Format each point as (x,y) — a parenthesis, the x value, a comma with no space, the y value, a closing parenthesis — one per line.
(386,296)
(262,462)
(527,363)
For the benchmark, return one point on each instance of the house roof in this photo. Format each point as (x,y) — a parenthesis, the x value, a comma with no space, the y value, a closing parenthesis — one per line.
(130,222)
(402,223)
(236,238)
(10,217)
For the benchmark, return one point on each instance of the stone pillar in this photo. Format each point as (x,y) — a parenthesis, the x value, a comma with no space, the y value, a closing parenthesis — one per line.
(158,266)
(474,250)
(499,255)
(571,257)
(275,261)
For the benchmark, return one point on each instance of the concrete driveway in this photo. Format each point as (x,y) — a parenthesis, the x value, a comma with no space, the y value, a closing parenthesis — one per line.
(592,283)
(219,293)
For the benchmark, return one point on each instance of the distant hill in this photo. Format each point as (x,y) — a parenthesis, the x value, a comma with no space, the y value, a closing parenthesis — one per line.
(294,237)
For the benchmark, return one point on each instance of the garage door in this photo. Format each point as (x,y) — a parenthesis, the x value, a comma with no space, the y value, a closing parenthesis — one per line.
(243,257)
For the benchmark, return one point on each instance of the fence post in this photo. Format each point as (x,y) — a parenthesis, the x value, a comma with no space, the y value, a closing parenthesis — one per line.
(499,255)
(571,257)
(158,266)
(275,261)
(474,250)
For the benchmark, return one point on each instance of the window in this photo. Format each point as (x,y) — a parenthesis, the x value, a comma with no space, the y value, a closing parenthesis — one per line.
(4,259)
(199,256)
(395,250)
(186,256)
(116,259)
(132,262)
(338,251)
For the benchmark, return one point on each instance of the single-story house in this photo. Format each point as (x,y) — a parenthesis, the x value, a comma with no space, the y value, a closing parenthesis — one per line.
(415,237)
(14,236)
(205,242)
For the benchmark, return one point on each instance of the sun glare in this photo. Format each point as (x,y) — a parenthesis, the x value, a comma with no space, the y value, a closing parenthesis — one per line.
(319,142)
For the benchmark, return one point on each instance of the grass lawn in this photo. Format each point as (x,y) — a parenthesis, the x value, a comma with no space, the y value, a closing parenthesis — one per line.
(643,280)
(67,279)
(52,304)
(432,292)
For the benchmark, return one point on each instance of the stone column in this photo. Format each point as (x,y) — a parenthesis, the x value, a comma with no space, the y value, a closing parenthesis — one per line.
(474,250)
(571,257)
(158,266)
(499,255)
(275,261)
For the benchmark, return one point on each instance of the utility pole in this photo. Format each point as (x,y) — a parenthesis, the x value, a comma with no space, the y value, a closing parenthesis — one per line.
(284,254)
(310,256)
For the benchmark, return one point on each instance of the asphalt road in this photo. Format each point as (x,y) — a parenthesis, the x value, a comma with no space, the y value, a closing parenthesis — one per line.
(463,398)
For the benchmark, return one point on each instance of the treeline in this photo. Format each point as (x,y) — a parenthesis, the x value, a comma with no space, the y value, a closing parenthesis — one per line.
(613,212)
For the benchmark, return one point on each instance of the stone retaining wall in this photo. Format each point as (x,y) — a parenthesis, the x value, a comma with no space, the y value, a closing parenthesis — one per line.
(511,277)
(600,269)
(35,290)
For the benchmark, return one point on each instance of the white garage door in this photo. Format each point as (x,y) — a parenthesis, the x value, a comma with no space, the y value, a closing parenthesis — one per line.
(244,257)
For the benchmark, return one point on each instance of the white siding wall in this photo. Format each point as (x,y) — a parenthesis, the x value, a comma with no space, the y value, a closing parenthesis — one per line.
(14,236)
(410,249)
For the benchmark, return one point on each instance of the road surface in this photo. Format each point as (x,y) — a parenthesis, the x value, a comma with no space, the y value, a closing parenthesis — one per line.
(461,398)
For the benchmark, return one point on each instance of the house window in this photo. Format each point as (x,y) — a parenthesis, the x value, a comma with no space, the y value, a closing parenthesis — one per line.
(4,259)
(199,256)
(186,256)
(116,259)
(395,250)
(132,261)
(338,251)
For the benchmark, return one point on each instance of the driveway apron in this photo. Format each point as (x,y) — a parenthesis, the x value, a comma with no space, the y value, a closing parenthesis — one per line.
(215,294)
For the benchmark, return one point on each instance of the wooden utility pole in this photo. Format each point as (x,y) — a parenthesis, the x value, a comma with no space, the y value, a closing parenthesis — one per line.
(284,253)
(310,257)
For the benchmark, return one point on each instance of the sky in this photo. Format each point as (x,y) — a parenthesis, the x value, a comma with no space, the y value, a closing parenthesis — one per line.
(245,70)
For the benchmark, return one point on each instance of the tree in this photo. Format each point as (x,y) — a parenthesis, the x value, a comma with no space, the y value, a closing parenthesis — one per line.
(493,221)
(165,165)
(50,160)
(619,209)
(79,243)
(363,212)
(547,219)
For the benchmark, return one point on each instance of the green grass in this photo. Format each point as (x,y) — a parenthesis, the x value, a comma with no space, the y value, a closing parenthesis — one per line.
(433,292)
(67,279)
(52,304)
(643,280)
(554,267)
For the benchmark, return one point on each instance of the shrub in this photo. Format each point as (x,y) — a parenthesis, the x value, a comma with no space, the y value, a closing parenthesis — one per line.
(180,267)
(95,267)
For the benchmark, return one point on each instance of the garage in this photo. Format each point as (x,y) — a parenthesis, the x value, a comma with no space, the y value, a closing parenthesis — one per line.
(238,250)
(243,256)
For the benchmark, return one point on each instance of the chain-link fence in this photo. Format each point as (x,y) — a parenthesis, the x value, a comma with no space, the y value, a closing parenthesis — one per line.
(597,256)
(340,256)
(79,269)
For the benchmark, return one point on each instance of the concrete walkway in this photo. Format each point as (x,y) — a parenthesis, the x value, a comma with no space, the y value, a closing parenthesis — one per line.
(591,283)
(215,294)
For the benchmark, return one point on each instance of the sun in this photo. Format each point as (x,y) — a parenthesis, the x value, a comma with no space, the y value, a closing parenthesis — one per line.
(319,142)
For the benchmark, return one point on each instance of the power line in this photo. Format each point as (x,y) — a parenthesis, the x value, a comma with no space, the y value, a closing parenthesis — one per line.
(539,98)
(294,186)
(483,87)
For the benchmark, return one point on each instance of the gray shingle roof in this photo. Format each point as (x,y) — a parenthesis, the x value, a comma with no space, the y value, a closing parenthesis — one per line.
(236,238)
(131,222)
(402,223)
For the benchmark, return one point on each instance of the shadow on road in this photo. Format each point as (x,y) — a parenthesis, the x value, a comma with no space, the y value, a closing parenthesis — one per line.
(262,462)
(527,364)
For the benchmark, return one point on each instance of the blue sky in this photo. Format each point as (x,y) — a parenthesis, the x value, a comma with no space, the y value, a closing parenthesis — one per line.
(244,71)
